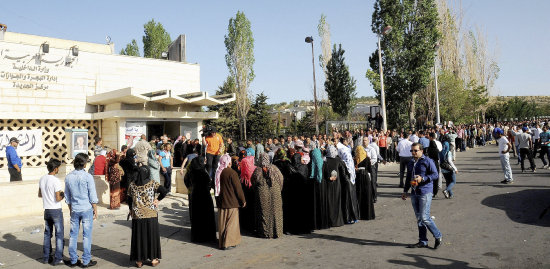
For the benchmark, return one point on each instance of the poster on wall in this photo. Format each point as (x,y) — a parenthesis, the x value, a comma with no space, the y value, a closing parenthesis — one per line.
(30,142)
(133,133)
(77,141)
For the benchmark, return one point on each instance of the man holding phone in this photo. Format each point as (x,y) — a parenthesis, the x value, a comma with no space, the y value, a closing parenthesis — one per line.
(421,172)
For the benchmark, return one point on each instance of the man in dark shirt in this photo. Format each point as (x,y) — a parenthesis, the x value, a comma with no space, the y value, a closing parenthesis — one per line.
(421,172)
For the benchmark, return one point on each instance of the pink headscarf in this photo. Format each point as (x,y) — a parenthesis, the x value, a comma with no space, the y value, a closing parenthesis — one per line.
(224,161)
(247,169)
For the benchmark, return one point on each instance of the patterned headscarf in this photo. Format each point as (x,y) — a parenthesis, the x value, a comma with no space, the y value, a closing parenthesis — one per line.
(250,152)
(332,152)
(345,154)
(305,158)
(247,169)
(316,165)
(225,160)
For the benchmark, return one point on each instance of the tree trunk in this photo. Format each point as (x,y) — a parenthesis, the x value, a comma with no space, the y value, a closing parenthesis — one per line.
(244,127)
(411,111)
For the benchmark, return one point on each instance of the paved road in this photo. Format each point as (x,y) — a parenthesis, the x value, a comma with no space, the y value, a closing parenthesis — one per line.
(486,225)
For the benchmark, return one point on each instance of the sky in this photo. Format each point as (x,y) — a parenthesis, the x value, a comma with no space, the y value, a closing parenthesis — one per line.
(517,32)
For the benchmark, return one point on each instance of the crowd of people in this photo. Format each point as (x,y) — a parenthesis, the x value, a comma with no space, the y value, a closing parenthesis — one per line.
(274,186)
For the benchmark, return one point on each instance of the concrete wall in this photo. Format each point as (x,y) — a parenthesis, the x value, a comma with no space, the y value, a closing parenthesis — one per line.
(58,89)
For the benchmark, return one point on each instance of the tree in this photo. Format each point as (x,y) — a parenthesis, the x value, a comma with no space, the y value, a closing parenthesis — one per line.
(239,58)
(340,86)
(323,28)
(155,39)
(305,125)
(259,120)
(407,53)
(227,122)
(131,49)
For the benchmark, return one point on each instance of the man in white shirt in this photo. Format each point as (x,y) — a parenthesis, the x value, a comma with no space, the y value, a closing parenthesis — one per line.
(504,147)
(405,156)
(51,193)
(373,151)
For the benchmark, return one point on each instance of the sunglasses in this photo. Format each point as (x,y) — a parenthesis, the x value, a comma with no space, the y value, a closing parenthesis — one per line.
(415,150)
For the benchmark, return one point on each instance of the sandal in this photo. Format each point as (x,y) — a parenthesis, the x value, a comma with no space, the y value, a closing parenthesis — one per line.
(155,262)
(139,264)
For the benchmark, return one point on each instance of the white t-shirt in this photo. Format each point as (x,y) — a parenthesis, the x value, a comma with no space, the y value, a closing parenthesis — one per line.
(49,185)
(503,145)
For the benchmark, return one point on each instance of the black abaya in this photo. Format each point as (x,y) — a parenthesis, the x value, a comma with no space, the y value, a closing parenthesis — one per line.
(333,191)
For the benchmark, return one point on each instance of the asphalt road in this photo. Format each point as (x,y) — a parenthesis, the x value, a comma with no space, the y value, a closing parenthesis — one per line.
(486,225)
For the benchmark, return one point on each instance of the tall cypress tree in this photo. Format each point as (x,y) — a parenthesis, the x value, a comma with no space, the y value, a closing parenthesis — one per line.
(339,85)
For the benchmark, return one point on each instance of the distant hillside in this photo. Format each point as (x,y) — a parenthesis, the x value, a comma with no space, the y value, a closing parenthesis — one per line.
(543,99)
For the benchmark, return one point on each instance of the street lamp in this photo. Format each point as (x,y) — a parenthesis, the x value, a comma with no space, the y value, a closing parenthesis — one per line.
(438,118)
(309,39)
(386,31)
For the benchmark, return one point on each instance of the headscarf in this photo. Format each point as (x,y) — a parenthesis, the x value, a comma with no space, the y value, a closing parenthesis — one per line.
(225,161)
(299,144)
(269,170)
(360,154)
(306,159)
(345,154)
(197,164)
(332,152)
(142,176)
(247,169)
(316,165)
(178,140)
(250,152)
(130,154)
(281,155)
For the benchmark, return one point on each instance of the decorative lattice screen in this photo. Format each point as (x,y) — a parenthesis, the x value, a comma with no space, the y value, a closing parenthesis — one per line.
(53,138)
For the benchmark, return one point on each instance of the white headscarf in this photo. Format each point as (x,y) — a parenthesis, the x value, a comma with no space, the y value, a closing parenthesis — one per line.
(345,155)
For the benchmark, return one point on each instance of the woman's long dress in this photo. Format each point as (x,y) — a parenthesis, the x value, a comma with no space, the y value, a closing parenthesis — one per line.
(333,170)
(365,191)
(201,207)
(269,204)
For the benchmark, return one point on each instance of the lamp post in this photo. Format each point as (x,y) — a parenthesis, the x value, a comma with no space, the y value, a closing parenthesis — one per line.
(386,30)
(438,117)
(309,39)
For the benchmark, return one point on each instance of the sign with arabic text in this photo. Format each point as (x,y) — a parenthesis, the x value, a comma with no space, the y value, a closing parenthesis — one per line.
(30,142)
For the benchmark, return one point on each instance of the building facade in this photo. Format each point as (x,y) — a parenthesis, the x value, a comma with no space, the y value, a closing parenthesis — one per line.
(50,87)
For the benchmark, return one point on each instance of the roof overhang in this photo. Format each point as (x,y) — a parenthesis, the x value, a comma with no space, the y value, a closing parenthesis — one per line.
(168,97)
(145,114)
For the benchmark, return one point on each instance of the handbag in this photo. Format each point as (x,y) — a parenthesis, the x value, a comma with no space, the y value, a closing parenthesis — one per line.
(445,164)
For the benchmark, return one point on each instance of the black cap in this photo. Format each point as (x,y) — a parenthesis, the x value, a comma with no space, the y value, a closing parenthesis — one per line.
(14,139)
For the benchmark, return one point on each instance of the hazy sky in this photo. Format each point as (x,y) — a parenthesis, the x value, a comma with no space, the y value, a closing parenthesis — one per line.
(517,30)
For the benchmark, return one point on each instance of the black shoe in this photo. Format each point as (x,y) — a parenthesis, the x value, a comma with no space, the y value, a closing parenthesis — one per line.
(417,245)
(446,193)
(68,263)
(400,185)
(60,262)
(90,264)
(437,243)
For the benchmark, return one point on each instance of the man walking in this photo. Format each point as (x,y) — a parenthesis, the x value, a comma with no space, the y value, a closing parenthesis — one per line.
(421,172)
(142,148)
(14,162)
(81,197)
(525,144)
(545,146)
(504,147)
(404,150)
(51,193)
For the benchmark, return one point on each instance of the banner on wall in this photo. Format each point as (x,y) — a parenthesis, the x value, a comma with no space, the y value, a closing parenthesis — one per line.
(30,142)
(133,133)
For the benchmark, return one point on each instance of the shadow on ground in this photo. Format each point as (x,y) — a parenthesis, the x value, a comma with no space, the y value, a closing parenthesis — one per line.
(351,240)
(34,250)
(421,261)
(523,206)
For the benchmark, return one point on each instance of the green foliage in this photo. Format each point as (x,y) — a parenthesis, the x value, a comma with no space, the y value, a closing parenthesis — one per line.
(259,121)
(227,122)
(131,49)
(239,44)
(516,107)
(407,52)
(306,125)
(340,86)
(155,39)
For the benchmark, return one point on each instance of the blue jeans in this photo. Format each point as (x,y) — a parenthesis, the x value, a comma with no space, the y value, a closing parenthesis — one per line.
(421,205)
(450,179)
(167,178)
(87,219)
(53,218)
(505,163)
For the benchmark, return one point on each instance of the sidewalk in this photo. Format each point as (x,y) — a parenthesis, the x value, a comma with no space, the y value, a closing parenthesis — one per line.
(35,223)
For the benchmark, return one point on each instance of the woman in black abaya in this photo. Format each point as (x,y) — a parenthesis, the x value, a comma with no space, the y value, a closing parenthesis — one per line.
(334,171)
(201,206)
